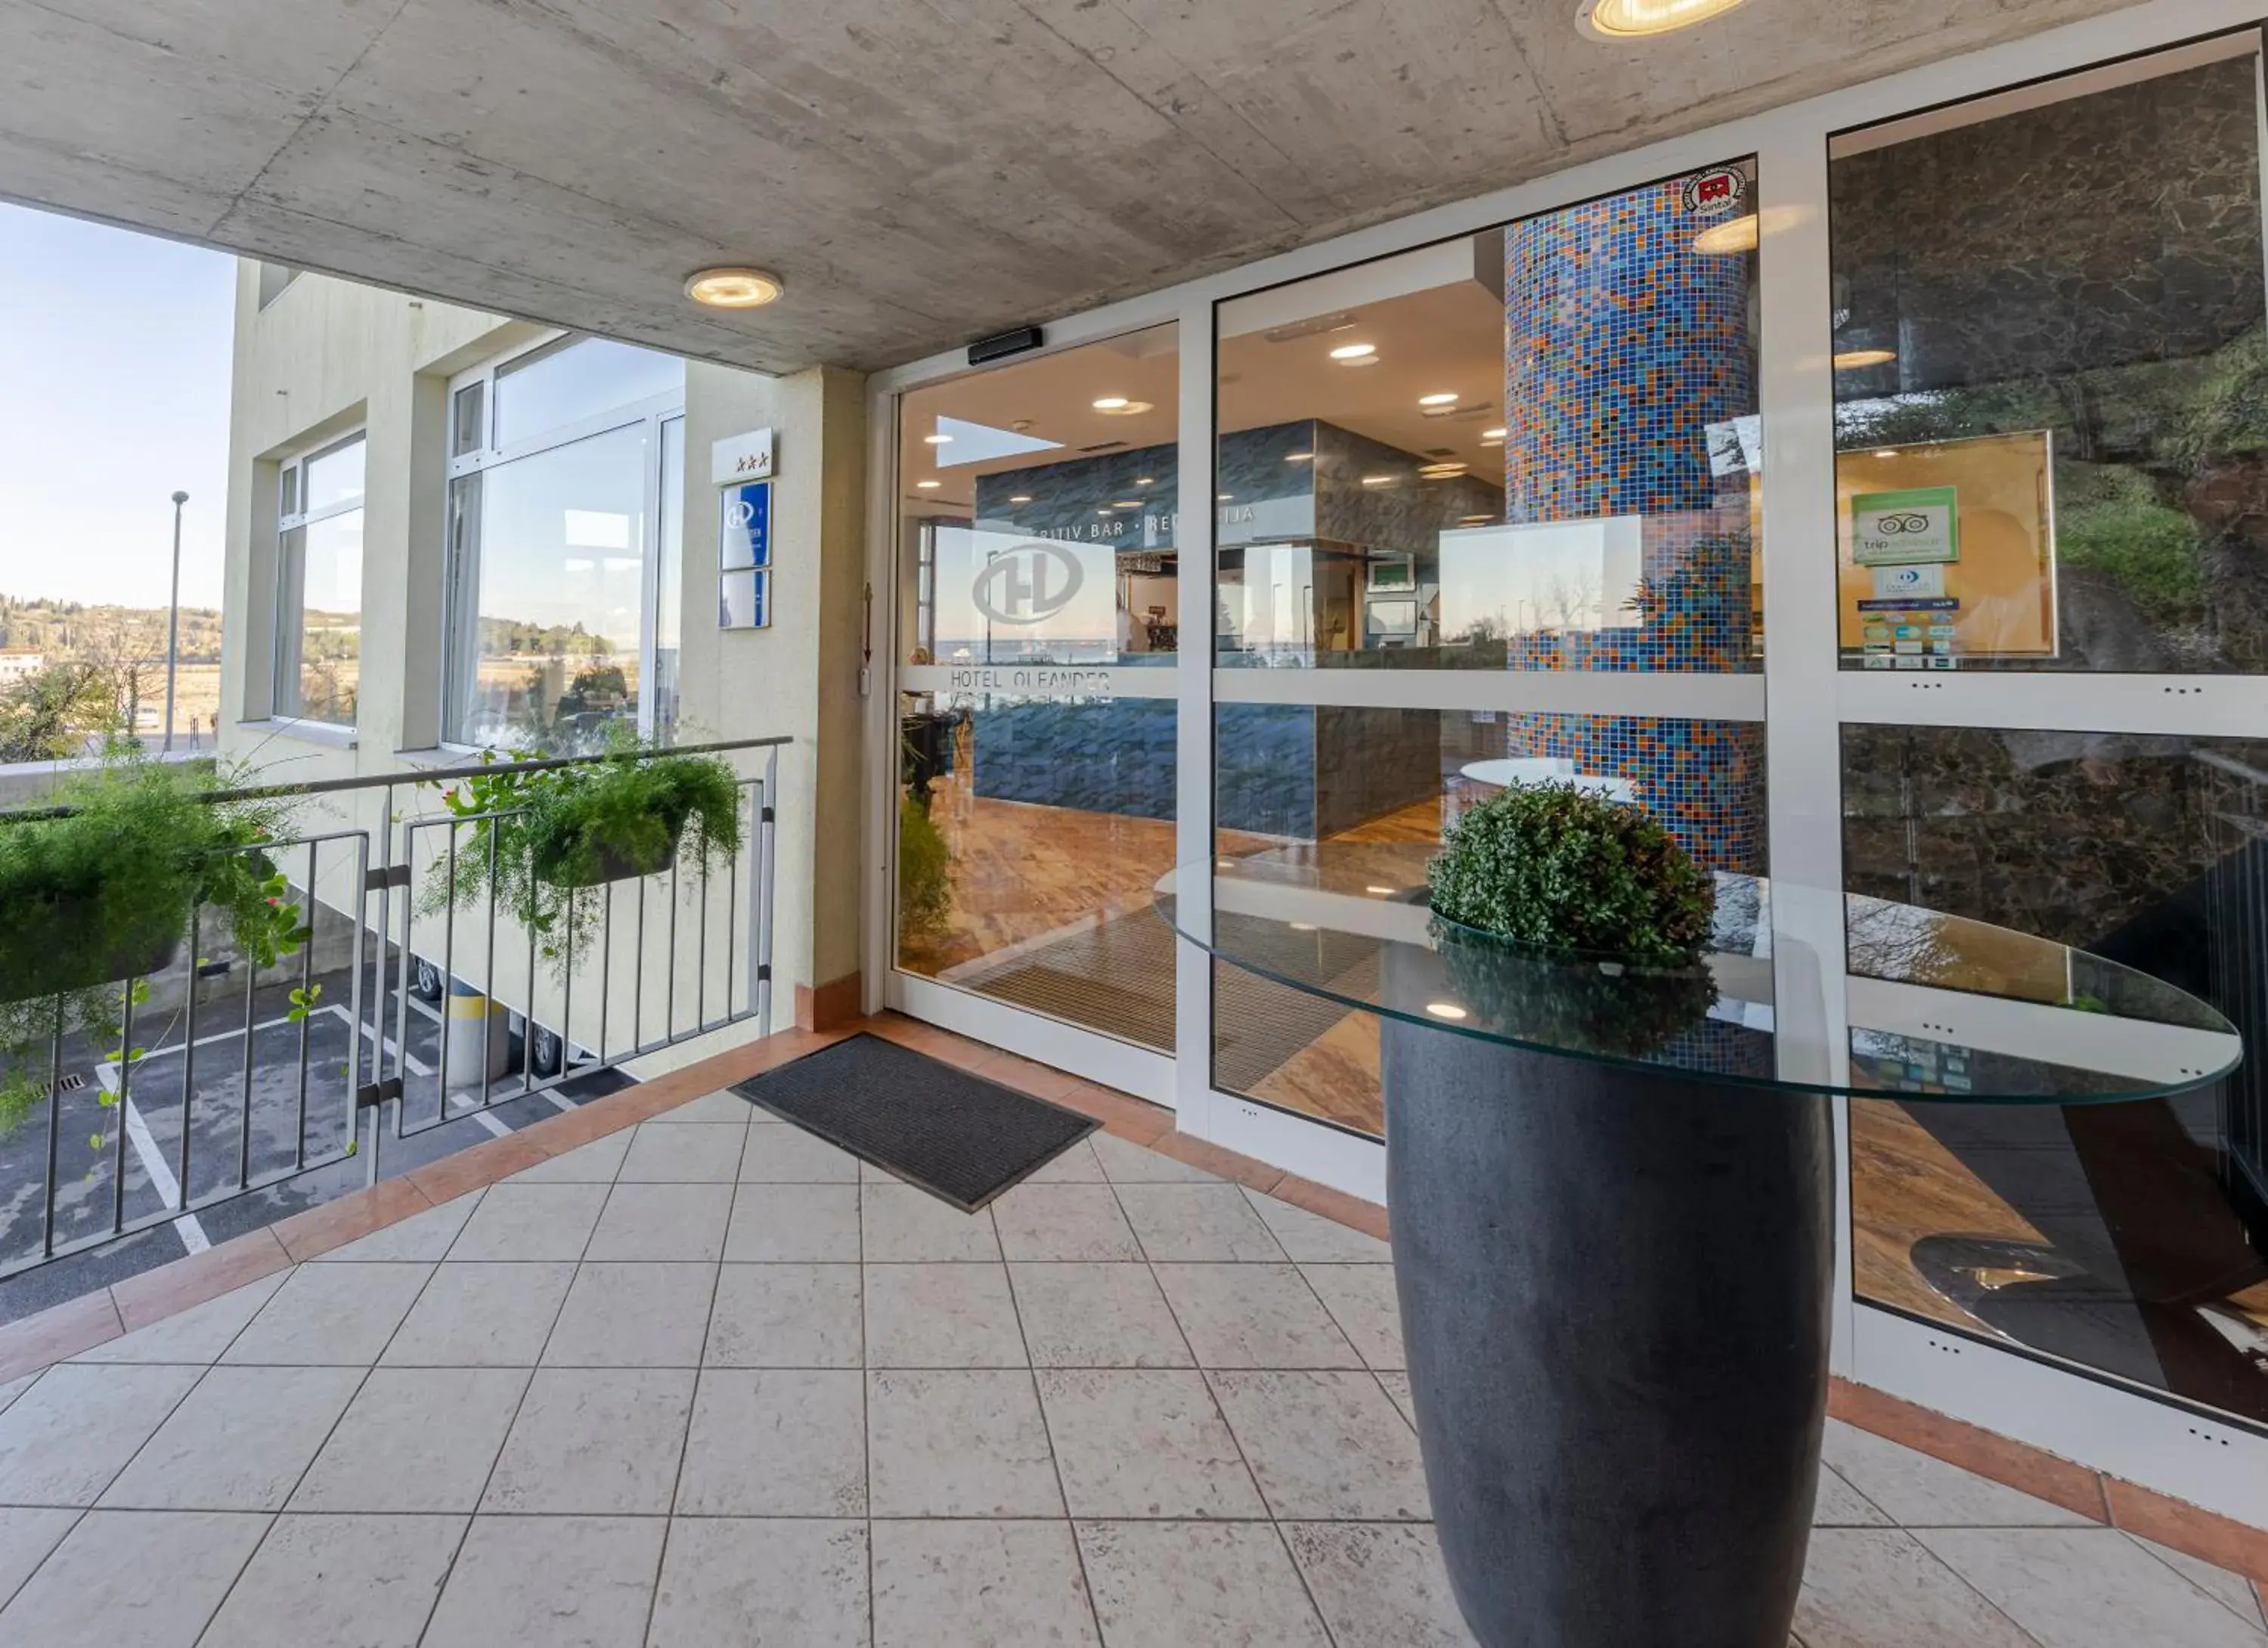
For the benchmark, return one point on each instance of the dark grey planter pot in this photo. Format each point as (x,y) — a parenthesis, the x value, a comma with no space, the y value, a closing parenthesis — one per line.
(1615,1295)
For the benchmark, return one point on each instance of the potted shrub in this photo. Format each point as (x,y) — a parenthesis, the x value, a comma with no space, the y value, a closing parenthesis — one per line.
(1611,1273)
(558,837)
(100,889)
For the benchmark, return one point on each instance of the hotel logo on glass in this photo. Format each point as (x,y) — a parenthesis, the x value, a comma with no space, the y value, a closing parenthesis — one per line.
(744,519)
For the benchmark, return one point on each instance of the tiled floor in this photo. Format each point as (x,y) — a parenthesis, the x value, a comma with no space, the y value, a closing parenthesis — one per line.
(708,1382)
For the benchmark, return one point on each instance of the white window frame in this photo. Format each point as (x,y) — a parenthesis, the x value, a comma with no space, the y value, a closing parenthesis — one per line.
(291,487)
(484,454)
(1804,694)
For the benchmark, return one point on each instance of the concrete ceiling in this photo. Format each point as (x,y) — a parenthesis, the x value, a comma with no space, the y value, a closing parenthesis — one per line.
(921,171)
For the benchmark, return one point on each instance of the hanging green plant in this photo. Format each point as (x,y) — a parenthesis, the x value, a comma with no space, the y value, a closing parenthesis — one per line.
(104,892)
(547,845)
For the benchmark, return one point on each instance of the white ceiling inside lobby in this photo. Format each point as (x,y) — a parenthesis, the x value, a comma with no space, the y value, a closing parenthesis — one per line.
(921,174)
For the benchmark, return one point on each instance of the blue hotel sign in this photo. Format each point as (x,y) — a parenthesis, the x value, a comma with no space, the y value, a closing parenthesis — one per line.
(744,520)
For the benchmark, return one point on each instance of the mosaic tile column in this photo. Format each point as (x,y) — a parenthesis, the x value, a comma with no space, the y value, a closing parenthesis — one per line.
(1622,345)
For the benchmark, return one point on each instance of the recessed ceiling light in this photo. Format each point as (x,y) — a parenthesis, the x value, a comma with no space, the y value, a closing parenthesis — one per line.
(1126,503)
(733,288)
(1298,457)
(1852,360)
(1111,403)
(1223,497)
(1354,351)
(1381,892)
(1021,497)
(1145,480)
(1446,1009)
(926,485)
(1436,400)
(1103,511)
(1492,435)
(1378,480)
(938,440)
(1733,235)
(1635,19)
(1442,472)
(1115,406)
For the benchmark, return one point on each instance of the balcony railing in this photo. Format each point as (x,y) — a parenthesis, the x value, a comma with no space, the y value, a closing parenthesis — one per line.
(405,1009)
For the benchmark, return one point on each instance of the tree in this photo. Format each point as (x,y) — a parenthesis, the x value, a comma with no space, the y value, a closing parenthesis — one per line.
(49,714)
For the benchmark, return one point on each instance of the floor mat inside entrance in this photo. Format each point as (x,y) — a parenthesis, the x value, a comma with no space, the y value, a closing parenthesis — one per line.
(961,1139)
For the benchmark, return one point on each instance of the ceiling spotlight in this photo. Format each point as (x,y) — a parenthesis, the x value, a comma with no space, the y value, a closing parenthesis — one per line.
(926,485)
(1223,497)
(1378,480)
(1436,400)
(1145,480)
(1382,892)
(1298,457)
(938,440)
(1021,497)
(1732,236)
(1126,503)
(1354,351)
(1853,360)
(1635,19)
(1111,403)
(1492,435)
(733,288)
(1446,1009)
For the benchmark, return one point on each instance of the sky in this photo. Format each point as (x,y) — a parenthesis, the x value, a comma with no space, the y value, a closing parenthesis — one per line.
(114,394)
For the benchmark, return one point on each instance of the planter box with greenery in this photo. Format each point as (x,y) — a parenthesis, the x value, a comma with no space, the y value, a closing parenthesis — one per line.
(102,892)
(1612,1274)
(547,845)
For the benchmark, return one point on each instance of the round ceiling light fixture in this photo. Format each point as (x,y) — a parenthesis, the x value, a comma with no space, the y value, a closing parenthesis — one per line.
(1354,351)
(1111,403)
(938,440)
(1492,435)
(1636,19)
(929,485)
(1443,399)
(1021,497)
(733,288)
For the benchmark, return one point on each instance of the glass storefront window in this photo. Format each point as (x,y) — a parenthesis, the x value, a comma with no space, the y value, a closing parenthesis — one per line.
(1289,777)
(2126,1238)
(319,585)
(548,581)
(557,388)
(1038,622)
(2047,350)
(1533,448)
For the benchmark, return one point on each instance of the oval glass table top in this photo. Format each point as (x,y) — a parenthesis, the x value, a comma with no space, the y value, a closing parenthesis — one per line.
(1938,1007)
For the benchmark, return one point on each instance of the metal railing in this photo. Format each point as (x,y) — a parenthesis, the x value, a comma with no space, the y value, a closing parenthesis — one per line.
(227,1076)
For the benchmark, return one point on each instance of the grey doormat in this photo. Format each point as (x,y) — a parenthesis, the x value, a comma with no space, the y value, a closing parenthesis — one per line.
(961,1139)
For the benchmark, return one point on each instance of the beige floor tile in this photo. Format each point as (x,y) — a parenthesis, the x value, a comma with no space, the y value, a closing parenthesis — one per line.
(1254,1316)
(788,1155)
(28,1534)
(559,1582)
(62,1440)
(954,1444)
(787,1315)
(734,1581)
(1380,1584)
(531,1221)
(980,1584)
(415,1439)
(1325,1446)
(240,1441)
(370,1581)
(1125,1163)
(634,1315)
(941,1316)
(1096,1316)
(767,1442)
(1068,1222)
(335,1314)
(1397,1387)
(2233,1592)
(1078,1165)
(1919,1491)
(12,1388)
(199,1333)
(663,1221)
(1310,1238)
(1360,1298)
(794,1224)
(2086,1588)
(133,1579)
(726,1109)
(903,1226)
(593,1442)
(595,1163)
(477,1314)
(1181,1223)
(661,1153)
(1170,1585)
(1839,1504)
(1145,1443)
(422,1237)
(1878,1588)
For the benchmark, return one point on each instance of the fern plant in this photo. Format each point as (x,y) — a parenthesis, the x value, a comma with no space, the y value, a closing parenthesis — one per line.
(547,845)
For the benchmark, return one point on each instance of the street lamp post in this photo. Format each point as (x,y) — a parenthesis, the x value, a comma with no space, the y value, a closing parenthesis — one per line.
(173,621)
